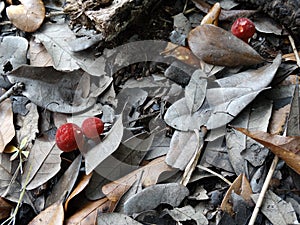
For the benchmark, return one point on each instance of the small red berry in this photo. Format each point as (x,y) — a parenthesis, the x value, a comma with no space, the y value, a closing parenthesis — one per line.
(243,28)
(92,127)
(69,137)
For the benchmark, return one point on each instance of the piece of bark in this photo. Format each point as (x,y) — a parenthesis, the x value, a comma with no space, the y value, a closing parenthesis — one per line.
(286,12)
(110,18)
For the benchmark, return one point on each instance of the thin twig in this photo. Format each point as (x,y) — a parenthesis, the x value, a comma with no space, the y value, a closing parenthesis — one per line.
(214,173)
(263,191)
(295,50)
(11,91)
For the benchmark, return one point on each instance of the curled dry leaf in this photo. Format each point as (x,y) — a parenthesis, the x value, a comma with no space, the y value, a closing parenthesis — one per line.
(217,46)
(213,15)
(286,148)
(28,16)
(240,186)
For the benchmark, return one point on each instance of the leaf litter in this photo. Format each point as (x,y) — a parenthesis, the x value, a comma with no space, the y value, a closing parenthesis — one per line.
(151,158)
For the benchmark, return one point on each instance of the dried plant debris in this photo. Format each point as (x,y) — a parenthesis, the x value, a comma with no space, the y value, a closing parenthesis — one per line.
(192,116)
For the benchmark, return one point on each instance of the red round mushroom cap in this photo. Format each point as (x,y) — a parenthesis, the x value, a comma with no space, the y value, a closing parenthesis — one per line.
(243,28)
(92,127)
(69,137)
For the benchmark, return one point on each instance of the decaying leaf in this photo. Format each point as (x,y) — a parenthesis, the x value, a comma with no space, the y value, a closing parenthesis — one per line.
(7,129)
(240,186)
(65,184)
(13,52)
(116,218)
(53,215)
(187,213)
(196,90)
(89,212)
(276,209)
(5,208)
(224,101)
(28,16)
(85,179)
(217,46)
(151,197)
(42,164)
(148,175)
(96,155)
(182,148)
(58,91)
(286,148)
(38,54)
(181,53)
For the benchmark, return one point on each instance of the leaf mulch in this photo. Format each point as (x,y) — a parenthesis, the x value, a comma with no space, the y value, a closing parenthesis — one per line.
(200,127)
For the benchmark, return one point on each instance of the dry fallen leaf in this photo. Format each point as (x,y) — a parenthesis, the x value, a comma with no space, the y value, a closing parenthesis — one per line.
(217,46)
(286,148)
(150,174)
(240,186)
(53,215)
(28,16)
(84,181)
(277,210)
(7,129)
(151,197)
(5,208)
(88,213)
(181,53)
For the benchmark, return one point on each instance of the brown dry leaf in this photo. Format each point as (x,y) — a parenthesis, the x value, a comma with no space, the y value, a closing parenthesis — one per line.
(240,186)
(217,46)
(5,208)
(28,16)
(53,215)
(290,56)
(88,214)
(213,15)
(38,54)
(148,174)
(286,148)
(181,53)
(84,181)
(7,129)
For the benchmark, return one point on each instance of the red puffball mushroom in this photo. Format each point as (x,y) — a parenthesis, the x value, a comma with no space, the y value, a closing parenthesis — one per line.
(69,137)
(92,127)
(243,28)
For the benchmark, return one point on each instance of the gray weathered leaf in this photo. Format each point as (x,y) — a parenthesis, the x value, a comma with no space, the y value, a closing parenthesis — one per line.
(65,184)
(170,193)
(11,190)
(188,213)
(223,104)
(42,164)
(182,148)
(124,160)
(109,144)
(56,38)
(13,50)
(115,218)
(217,46)
(59,91)
(179,117)
(276,209)
(195,91)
